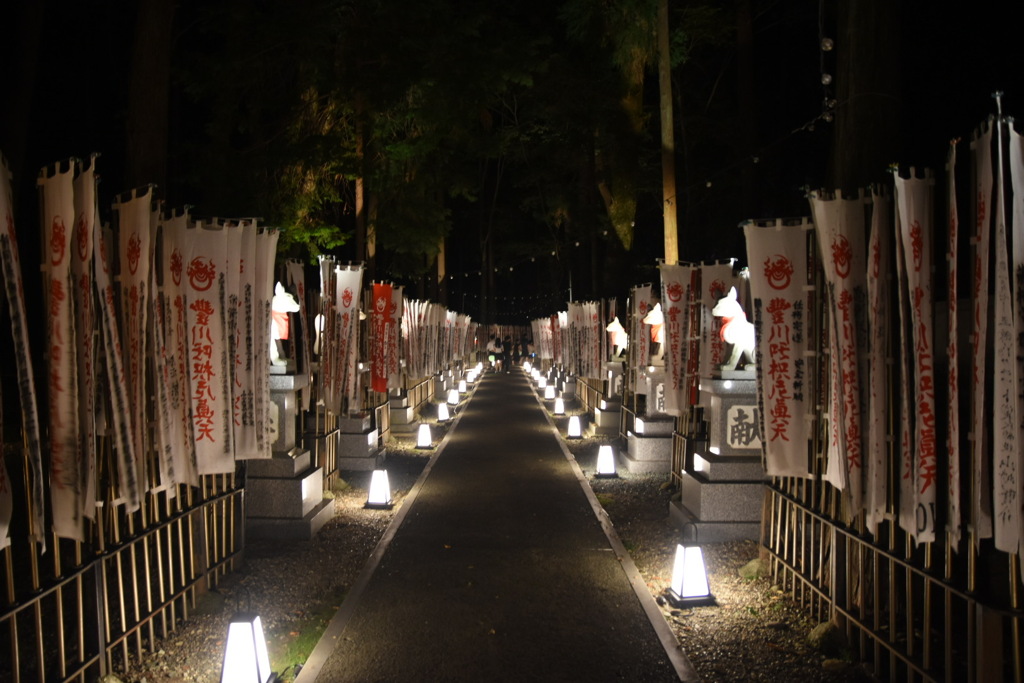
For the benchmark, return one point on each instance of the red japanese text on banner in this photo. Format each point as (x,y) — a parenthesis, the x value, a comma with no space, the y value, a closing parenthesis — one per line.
(676,295)
(1017,265)
(380,316)
(777,255)
(716,281)
(953,514)
(86,211)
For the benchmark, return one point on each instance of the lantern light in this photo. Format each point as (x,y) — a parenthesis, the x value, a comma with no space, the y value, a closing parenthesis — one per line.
(423,438)
(245,654)
(606,462)
(453,397)
(559,406)
(542,383)
(638,426)
(574,428)
(462,386)
(528,367)
(442,412)
(379,497)
(689,585)
(549,392)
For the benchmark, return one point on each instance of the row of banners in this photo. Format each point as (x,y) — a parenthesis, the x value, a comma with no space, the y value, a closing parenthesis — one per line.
(163,308)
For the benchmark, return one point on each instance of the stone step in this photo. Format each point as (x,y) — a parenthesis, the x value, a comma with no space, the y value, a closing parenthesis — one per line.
(711,532)
(282,465)
(366,463)
(402,415)
(278,497)
(288,529)
(722,501)
(728,467)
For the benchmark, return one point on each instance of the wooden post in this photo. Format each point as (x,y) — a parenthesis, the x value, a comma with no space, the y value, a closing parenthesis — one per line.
(668,145)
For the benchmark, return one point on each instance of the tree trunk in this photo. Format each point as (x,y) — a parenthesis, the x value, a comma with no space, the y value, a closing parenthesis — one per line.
(668,145)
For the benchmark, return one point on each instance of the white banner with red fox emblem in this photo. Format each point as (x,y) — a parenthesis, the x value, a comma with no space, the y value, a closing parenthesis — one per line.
(915,221)
(777,255)
(676,294)
(10,266)
(86,212)
(58,209)
(840,225)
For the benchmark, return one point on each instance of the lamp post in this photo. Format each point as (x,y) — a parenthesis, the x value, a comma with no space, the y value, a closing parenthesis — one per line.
(379,496)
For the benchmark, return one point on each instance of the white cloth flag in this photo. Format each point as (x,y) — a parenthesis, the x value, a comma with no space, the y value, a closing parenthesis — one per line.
(263,287)
(204,284)
(916,227)
(394,324)
(840,225)
(1006,446)
(715,282)
(10,266)
(675,297)
(953,516)
(296,276)
(346,303)
(640,347)
(777,255)
(249,343)
(117,386)
(134,231)
(981,514)
(86,211)
(58,215)
(876,459)
(1017,263)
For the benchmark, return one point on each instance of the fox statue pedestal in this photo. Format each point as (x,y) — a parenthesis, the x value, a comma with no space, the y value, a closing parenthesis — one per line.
(284,496)
(723,487)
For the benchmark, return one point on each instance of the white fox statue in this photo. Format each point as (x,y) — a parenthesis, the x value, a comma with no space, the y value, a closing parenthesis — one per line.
(736,330)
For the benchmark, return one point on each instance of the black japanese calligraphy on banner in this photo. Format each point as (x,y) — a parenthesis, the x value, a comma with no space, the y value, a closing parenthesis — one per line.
(86,211)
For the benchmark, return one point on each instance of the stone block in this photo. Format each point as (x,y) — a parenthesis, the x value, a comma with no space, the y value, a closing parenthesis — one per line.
(357,445)
(646,426)
(647,454)
(282,382)
(373,460)
(291,498)
(282,465)
(291,529)
(727,467)
(730,409)
(402,415)
(722,501)
(357,423)
(712,532)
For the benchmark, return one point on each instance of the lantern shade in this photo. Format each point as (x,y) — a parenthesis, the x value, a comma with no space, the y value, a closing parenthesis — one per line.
(549,392)
(453,397)
(606,462)
(442,412)
(379,496)
(542,383)
(245,654)
(559,406)
(574,431)
(462,386)
(689,577)
(423,437)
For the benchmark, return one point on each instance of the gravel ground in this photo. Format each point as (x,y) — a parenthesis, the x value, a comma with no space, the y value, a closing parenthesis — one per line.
(752,633)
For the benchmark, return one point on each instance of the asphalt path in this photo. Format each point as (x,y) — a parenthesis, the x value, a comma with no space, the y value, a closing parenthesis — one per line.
(498,568)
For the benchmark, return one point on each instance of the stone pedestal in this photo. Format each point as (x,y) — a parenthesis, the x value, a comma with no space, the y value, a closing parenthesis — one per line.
(723,484)
(404,420)
(284,494)
(606,418)
(649,445)
(358,447)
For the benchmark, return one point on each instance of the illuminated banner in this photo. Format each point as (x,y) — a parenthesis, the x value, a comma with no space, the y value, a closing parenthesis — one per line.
(981,514)
(641,335)
(840,225)
(173,358)
(715,282)
(58,215)
(1017,263)
(204,283)
(1006,446)
(916,226)
(777,255)
(263,288)
(876,460)
(86,211)
(128,487)
(247,341)
(10,264)
(134,231)
(349,282)
(953,515)
(676,293)
(380,321)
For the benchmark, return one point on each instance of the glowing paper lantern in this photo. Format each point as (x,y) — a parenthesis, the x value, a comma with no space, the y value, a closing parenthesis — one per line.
(380,491)
(423,438)
(689,577)
(574,428)
(549,392)
(245,654)
(462,386)
(559,406)
(442,412)
(542,383)
(606,462)
(453,397)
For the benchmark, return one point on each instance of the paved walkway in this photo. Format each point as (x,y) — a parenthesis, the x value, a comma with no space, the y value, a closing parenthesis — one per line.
(498,569)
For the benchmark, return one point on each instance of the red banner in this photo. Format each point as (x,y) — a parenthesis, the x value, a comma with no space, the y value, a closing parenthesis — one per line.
(381,322)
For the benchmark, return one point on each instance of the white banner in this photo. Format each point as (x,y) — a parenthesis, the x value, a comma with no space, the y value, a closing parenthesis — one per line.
(86,211)
(981,514)
(58,217)
(248,342)
(394,325)
(878,287)
(1017,264)
(715,282)
(263,288)
(128,487)
(10,264)
(134,231)
(953,517)
(840,225)
(1006,446)
(777,255)
(676,296)
(640,355)
(916,227)
(301,343)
